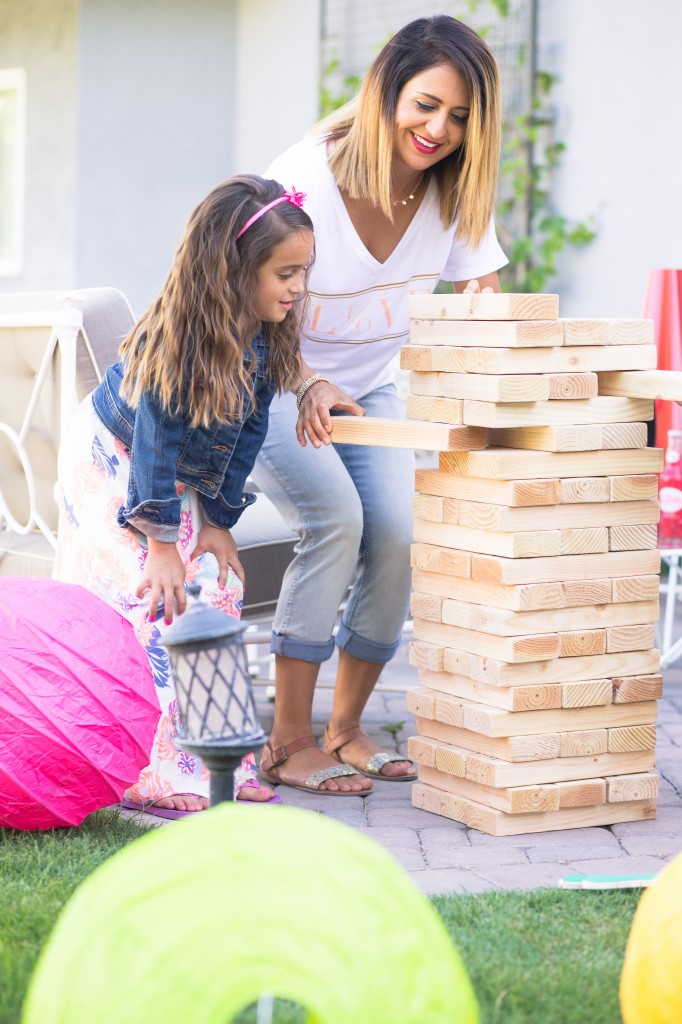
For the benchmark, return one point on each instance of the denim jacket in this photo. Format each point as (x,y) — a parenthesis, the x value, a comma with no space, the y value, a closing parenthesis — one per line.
(163,448)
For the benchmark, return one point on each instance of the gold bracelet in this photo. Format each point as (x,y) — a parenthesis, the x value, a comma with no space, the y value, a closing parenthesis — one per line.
(315,379)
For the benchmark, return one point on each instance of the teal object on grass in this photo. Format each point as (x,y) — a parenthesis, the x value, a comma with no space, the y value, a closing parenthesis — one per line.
(194,921)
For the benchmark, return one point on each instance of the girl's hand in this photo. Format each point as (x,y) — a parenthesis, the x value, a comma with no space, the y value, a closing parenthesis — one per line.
(164,577)
(313,416)
(221,544)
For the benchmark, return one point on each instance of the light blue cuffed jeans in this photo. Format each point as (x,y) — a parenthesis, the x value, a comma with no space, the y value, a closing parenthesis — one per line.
(351,506)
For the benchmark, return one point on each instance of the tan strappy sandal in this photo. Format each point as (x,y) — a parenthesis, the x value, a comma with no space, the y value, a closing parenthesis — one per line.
(371,769)
(272,758)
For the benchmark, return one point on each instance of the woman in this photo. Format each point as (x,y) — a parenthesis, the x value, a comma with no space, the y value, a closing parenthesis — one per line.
(401,187)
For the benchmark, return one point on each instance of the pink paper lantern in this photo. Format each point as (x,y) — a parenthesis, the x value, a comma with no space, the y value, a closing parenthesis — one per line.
(78,708)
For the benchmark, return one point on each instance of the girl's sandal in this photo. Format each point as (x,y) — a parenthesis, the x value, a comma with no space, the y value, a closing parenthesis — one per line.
(272,758)
(372,767)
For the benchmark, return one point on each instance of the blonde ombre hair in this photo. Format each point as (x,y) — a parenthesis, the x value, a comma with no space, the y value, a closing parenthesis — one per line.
(363,131)
(193,348)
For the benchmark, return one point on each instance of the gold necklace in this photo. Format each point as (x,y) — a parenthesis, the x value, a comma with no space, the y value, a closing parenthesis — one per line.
(404,202)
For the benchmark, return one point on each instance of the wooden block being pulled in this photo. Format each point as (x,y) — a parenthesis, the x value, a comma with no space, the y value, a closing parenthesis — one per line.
(434,410)
(665,384)
(498,569)
(608,332)
(502,622)
(579,411)
(387,433)
(556,670)
(581,438)
(501,492)
(513,464)
(498,823)
(484,306)
(586,359)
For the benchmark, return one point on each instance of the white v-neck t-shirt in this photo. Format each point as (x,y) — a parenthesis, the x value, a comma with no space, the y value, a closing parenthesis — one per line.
(357,316)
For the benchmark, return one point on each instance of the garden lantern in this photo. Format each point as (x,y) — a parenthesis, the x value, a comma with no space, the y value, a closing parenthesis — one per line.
(215,698)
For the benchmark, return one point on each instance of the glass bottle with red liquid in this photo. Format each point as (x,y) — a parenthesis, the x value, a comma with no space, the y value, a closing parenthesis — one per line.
(670,494)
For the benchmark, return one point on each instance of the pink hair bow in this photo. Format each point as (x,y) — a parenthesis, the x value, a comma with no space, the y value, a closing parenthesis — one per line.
(292,196)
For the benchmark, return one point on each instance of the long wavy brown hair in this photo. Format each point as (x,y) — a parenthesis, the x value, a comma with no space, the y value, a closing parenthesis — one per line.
(193,348)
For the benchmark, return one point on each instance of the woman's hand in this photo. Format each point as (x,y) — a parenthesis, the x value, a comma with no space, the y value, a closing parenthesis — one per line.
(313,416)
(221,544)
(487,283)
(164,577)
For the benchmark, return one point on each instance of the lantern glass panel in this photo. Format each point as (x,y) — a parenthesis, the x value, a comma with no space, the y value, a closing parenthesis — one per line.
(214,691)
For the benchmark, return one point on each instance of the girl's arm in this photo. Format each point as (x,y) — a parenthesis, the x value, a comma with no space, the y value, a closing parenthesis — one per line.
(164,576)
(313,416)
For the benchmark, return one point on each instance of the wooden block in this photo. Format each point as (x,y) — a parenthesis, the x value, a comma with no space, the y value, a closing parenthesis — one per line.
(507,748)
(580,744)
(484,306)
(513,800)
(632,538)
(635,588)
(582,642)
(588,437)
(531,387)
(486,516)
(582,793)
(633,488)
(512,698)
(443,561)
(588,489)
(556,670)
(534,647)
(629,638)
(588,410)
(428,507)
(571,386)
(510,464)
(426,606)
(423,751)
(497,569)
(504,492)
(376,430)
(637,737)
(498,823)
(586,694)
(633,688)
(584,541)
(518,597)
(511,545)
(659,384)
(427,656)
(422,703)
(608,332)
(436,410)
(581,359)
(640,786)
(492,771)
(503,622)
(624,435)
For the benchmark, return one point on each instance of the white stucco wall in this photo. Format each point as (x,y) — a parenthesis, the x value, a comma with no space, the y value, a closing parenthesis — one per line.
(618,111)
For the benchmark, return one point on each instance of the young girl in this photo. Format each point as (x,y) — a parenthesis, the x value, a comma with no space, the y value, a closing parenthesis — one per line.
(152,469)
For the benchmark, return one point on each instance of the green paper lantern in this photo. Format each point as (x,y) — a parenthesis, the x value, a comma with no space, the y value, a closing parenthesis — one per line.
(195,921)
(651,979)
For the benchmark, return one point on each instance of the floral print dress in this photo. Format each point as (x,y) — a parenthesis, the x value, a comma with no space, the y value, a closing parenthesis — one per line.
(95,552)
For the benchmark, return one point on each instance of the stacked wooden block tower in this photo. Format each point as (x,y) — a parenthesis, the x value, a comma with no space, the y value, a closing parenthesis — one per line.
(535,570)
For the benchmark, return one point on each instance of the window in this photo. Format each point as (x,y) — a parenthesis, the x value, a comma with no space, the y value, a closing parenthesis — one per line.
(12,150)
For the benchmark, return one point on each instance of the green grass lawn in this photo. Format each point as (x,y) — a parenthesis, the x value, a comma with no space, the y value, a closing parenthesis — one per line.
(543,957)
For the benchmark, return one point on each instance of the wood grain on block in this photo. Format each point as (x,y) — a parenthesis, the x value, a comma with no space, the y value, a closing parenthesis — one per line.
(582,793)
(502,492)
(426,656)
(504,335)
(517,597)
(426,606)
(511,545)
(582,642)
(498,823)
(589,489)
(533,647)
(583,742)
(508,748)
(588,437)
(639,786)
(492,771)
(429,507)
(629,638)
(665,384)
(513,464)
(637,737)
(586,694)
(584,541)
(503,622)
(633,688)
(512,698)
(434,410)
(632,538)
(388,433)
(443,561)
(514,800)
(531,387)
(484,306)
(634,488)
(556,670)
(635,588)
(582,410)
(581,359)
(498,569)
(571,386)
(504,518)
(608,332)
(422,703)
